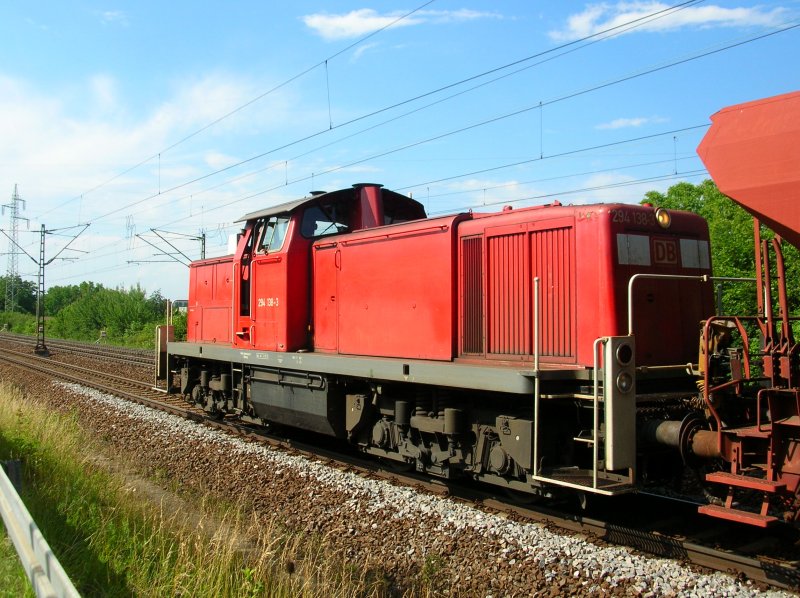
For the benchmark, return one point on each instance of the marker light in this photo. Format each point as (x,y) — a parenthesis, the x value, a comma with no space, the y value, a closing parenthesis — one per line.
(663,218)
(624,382)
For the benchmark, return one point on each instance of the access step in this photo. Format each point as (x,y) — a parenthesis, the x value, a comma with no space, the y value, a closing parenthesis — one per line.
(583,479)
(737,515)
(744,481)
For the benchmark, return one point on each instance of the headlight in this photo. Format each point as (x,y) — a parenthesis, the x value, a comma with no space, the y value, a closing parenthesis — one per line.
(624,354)
(624,382)
(663,218)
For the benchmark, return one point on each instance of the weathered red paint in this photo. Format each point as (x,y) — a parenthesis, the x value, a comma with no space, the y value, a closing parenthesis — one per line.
(574,251)
(209,311)
(462,287)
(752,151)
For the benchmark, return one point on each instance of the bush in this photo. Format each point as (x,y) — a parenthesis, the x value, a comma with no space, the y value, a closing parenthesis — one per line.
(18,322)
(128,316)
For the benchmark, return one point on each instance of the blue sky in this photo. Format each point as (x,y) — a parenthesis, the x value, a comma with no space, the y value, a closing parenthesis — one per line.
(182,116)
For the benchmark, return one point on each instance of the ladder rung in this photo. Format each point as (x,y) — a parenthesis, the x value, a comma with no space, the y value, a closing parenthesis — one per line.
(737,515)
(744,481)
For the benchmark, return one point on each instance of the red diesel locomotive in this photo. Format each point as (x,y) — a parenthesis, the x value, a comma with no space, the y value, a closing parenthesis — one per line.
(535,349)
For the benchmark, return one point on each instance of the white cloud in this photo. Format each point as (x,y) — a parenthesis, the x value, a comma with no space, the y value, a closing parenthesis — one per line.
(104,92)
(37,25)
(362,21)
(353,24)
(610,187)
(625,123)
(361,50)
(114,16)
(218,160)
(599,17)
(68,141)
(457,16)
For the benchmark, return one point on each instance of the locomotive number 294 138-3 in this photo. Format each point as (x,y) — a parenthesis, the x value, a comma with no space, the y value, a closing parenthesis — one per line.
(268,302)
(633,217)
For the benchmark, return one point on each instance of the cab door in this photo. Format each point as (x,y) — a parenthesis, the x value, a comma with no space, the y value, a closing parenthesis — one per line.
(327,261)
(243,272)
(269,274)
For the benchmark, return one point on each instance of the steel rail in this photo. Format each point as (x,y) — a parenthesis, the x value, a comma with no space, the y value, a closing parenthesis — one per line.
(127,355)
(44,367)
(772,572)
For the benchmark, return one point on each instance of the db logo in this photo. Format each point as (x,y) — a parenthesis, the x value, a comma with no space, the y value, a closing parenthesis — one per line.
(665,251)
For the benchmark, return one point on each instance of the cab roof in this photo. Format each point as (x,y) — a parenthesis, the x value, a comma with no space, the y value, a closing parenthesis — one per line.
(316,196)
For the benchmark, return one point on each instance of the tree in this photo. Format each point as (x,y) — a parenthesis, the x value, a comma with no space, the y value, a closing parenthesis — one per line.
(24,293)
(57,298)
(731,233)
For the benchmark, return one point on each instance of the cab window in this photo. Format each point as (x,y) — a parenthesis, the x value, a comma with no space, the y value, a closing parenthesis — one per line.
(398,211)
(273,234)
(326,218)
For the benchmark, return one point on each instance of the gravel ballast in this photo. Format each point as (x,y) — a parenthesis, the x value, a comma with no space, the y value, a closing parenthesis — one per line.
(408,534)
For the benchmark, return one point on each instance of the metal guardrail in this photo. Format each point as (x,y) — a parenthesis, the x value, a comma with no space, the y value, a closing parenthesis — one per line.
(41,566)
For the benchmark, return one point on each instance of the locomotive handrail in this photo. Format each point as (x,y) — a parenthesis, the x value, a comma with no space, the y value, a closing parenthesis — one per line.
(45,573)
(405,233)
(536,324)
(708,390)
(536,388)
(596,405)
(701,278)
(640,275)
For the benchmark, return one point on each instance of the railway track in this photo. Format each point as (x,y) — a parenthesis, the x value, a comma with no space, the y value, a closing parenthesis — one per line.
(710,545)
(107,352)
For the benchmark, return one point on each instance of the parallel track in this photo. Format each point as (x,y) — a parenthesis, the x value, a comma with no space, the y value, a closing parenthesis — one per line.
(770,571)
(106,352)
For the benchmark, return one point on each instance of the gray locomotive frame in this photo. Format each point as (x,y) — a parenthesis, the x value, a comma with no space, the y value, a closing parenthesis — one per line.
(307,390)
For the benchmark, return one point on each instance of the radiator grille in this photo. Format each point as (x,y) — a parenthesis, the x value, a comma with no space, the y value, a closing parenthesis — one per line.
(472,295)
(506,295)
(553,262)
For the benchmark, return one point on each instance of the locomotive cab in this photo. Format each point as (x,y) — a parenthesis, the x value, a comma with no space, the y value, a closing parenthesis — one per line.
(272,263)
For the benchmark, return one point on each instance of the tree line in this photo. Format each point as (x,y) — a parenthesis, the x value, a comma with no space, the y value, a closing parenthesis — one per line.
(87,310)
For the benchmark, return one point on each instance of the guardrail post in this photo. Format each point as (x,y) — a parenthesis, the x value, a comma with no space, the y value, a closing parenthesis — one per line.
(13,469)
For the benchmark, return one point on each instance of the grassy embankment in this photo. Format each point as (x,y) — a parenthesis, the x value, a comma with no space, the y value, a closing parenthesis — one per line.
(113,543)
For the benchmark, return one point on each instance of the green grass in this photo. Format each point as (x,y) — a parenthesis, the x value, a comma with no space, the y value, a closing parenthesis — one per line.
(113,543)
(13,582)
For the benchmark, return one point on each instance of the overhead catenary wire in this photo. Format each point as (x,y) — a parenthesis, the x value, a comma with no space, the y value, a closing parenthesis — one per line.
(249,103)
(498,118)
(616,168)
(679,175)
(233,226)
(665,177)
(570,152)
(496,168)
(597,36)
